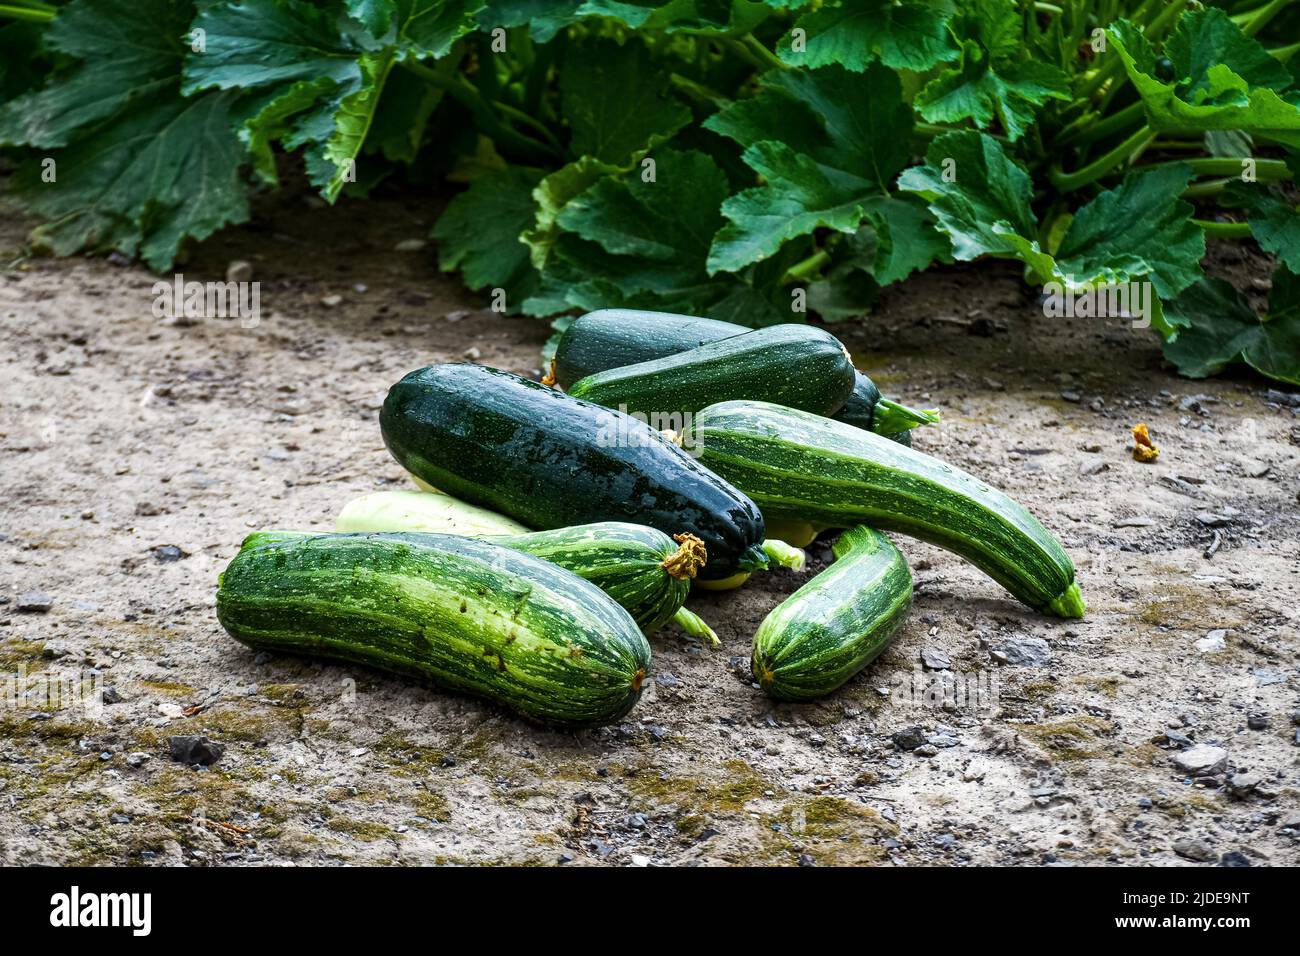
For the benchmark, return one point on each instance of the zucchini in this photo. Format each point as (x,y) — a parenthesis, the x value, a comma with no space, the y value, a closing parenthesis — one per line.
(798,366)
(837,623)
(611,338)
(799,466)
(465,614)
(642,569)
(550,460)
(422,511)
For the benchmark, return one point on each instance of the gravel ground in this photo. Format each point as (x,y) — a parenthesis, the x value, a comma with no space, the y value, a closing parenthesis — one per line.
(137,452)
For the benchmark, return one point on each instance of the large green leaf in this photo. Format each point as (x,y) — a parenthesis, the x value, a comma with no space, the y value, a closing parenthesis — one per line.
(909,35)
(847,140)
(555,192)
(315,85)
(418,28)
(123,49)
(615,99)
(317,77)
(544,18)
(624,241)
(1216,326)
(1237,90)
(1274,220)
(137,167)
(977,192)
(994,79)
(479,233)
(1138,229)
(675,15)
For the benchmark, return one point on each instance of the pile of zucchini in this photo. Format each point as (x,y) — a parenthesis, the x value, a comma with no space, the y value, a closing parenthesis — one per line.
(559,524)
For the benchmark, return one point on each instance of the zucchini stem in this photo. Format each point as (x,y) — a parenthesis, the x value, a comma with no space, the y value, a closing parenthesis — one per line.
(1070,603)
(890,418)
(1135,144)
(1224,230)
(695,626)
(30,14)
(786,555)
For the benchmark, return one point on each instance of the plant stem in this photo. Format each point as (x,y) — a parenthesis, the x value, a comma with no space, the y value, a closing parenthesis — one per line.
(1259,19)
(762,53)
(786,555)
(698,91)
(532,122)
(1069,182)
(1048,8)
(1285,53)
(1266,170)
(692,624)
(1116,122)
(30,14)
(1206,189)
(1224,230)
(806,269)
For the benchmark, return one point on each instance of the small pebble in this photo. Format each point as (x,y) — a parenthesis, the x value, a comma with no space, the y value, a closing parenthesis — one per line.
(34,602)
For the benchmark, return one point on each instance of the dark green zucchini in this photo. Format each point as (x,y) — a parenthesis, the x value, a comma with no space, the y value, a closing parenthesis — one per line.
(550,460)
(611,338)
(837,623)
(798,366)
(798,466)
(463,613)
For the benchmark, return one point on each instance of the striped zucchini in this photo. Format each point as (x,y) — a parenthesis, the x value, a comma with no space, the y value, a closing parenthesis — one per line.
(642,569)
(798,466)
(837,623)
(799,366)
(465,614)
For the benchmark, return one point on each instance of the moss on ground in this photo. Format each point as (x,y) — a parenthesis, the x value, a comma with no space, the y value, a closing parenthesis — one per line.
(1069,738)
(702,794)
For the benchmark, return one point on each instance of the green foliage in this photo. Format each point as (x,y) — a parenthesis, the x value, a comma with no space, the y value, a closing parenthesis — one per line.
(734,158)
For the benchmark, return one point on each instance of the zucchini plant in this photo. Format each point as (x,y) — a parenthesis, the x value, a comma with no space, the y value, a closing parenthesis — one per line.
(751,161)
